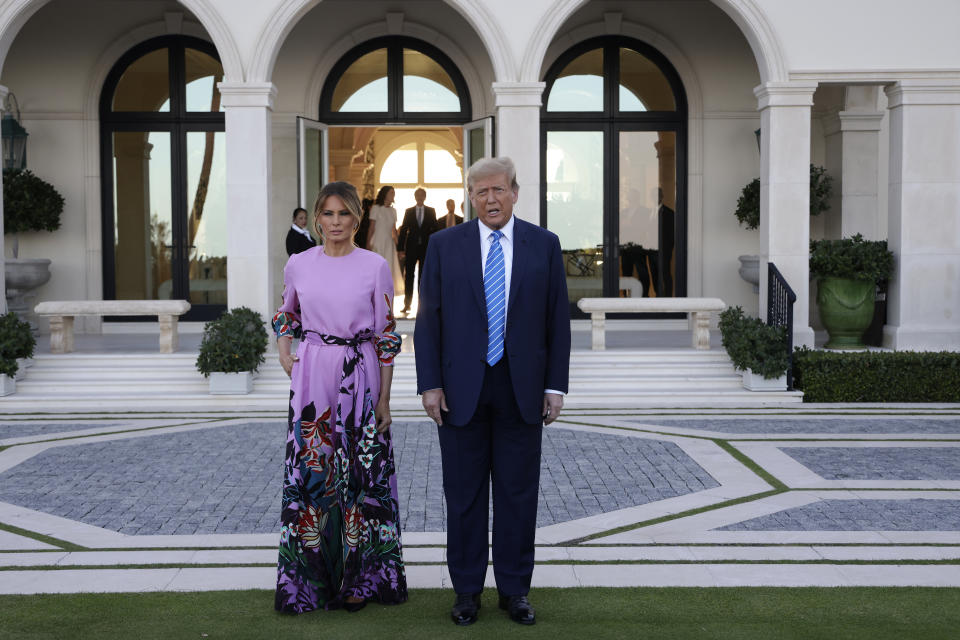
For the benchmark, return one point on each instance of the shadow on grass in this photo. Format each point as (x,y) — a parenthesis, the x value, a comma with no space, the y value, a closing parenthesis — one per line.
(740,613)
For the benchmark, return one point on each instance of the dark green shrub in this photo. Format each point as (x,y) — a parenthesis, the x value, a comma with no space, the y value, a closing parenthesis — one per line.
(752,344)
(29,203)
(853,258)
(16,341)
(899,376)
(234,342)
(748,205)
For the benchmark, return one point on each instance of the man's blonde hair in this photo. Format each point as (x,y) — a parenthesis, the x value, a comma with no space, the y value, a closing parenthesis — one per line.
(487,167)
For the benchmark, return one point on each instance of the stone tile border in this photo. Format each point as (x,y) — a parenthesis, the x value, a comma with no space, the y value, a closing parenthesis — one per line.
(650,424)
(434,576)
(701,528)
(13,542)
(792,473)
(126,425)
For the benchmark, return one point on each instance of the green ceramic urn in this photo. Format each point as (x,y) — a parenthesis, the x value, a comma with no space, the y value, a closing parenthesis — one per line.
(846,309)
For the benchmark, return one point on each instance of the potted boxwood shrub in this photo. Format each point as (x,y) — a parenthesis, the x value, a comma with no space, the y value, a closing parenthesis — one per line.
(757,349)
(231,350)
(29,204)
(848,272)
(748,214)
(16,346)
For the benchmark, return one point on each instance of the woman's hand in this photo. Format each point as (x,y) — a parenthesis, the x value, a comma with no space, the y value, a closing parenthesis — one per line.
(287,360)
(382,411)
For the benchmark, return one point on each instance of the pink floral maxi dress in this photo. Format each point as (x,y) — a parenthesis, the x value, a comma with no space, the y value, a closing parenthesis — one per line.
(340,535)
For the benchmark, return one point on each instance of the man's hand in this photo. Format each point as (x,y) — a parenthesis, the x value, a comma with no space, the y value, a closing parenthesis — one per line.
(552,404)
(434,401)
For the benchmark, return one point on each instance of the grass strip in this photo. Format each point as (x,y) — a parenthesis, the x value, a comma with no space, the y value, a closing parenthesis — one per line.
(668,613)
(39,537)
(749,463)
(667,518)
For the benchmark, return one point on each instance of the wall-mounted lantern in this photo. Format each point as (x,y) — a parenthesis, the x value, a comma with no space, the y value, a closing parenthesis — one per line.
(14,135)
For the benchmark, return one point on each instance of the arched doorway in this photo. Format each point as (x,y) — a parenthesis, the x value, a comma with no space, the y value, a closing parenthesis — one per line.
(613,169)
(163,176)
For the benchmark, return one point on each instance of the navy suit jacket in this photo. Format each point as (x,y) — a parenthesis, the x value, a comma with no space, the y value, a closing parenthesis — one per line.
(451,333)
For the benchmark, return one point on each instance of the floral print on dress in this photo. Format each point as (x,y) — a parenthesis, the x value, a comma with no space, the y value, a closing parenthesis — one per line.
(340,536)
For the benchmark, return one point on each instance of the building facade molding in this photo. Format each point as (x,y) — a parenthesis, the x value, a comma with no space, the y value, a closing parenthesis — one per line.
(479,97)
(260,95)
(519,94)
(752,21)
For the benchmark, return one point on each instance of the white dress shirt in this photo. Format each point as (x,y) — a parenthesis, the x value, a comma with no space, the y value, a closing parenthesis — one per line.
(303,232)
(506,243)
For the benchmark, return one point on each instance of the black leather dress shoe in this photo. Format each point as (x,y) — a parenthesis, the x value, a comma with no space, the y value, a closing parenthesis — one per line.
(465,609)
(519,608)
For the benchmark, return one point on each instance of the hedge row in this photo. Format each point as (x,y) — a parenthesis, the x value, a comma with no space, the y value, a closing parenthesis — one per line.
(901,376)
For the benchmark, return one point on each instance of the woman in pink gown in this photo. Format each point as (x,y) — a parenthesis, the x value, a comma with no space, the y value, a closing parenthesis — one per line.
(340,539)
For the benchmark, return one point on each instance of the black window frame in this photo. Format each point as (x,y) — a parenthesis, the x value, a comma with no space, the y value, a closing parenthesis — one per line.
(612,122)
(178,122)
(395,115)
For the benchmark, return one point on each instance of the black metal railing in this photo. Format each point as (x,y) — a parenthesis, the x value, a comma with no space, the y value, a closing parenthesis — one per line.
(780,299)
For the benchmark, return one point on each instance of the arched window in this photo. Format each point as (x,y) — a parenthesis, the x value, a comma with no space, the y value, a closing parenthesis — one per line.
(428,160)
(614,126)
(395,79)
(163,176)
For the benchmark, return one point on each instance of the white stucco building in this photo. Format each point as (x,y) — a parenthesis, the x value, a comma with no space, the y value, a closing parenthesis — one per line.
(184,134)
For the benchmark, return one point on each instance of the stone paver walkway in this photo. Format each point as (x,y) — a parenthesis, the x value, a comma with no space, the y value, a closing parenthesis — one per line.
(647,496)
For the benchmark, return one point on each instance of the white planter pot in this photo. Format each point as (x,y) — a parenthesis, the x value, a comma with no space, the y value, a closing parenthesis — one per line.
(22,365)
(8,385)
(756,382)
(231,383)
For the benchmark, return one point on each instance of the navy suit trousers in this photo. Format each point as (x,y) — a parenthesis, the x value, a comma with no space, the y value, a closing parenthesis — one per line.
(495,445)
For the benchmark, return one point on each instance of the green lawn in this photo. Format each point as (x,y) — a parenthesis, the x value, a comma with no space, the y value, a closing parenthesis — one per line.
(735,613)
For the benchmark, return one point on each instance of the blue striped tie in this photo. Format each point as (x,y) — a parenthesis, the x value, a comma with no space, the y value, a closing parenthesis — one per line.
(494,279)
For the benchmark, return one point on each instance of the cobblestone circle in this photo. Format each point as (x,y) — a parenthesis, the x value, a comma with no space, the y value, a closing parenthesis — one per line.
(228,479)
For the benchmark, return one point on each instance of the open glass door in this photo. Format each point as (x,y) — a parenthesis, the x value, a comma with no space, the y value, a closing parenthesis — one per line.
(477,143)
(312,160)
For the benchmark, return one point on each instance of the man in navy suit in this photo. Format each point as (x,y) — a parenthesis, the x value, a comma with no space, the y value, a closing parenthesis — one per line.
(492,345)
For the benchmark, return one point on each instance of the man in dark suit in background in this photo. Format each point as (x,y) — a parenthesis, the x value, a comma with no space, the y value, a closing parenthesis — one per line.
(493,351)
(451,219)
(418,223)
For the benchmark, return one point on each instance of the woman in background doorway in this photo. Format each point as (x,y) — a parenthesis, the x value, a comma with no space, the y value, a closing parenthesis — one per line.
(382,235)
(298,238)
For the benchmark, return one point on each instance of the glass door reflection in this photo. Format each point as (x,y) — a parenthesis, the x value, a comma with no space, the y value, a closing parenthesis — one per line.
(647,218)
(206,228)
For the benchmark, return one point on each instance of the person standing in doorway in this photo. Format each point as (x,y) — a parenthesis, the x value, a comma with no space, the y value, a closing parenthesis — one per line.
(493,352)
(451,219)
(418,223)
(298,237)
(382,234)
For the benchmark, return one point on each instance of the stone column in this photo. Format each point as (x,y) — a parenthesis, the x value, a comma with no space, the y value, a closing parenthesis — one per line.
(785,194)
(518,136)
(250,237)
(3,254)
(923,302)
(853,158)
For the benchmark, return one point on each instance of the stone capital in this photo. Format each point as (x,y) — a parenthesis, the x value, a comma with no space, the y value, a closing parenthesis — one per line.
(943,92)
(4,92)
(785,94)
(248,94)
(519,94)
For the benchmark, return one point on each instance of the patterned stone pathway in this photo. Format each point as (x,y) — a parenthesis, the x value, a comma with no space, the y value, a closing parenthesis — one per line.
(641,499)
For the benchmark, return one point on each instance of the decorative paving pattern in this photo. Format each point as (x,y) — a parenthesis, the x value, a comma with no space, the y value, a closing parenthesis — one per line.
(19,429)
(879,463)
(228,479)
(815,425)
(860,515)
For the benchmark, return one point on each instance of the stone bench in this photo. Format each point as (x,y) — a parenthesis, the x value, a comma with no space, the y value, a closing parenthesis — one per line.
(700,308)
(62,313)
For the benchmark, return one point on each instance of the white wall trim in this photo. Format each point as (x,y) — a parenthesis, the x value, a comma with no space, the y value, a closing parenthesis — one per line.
(321,67)
(752,21)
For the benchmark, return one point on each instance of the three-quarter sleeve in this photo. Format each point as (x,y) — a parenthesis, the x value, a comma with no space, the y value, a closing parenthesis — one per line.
(286,322)
(387,339)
